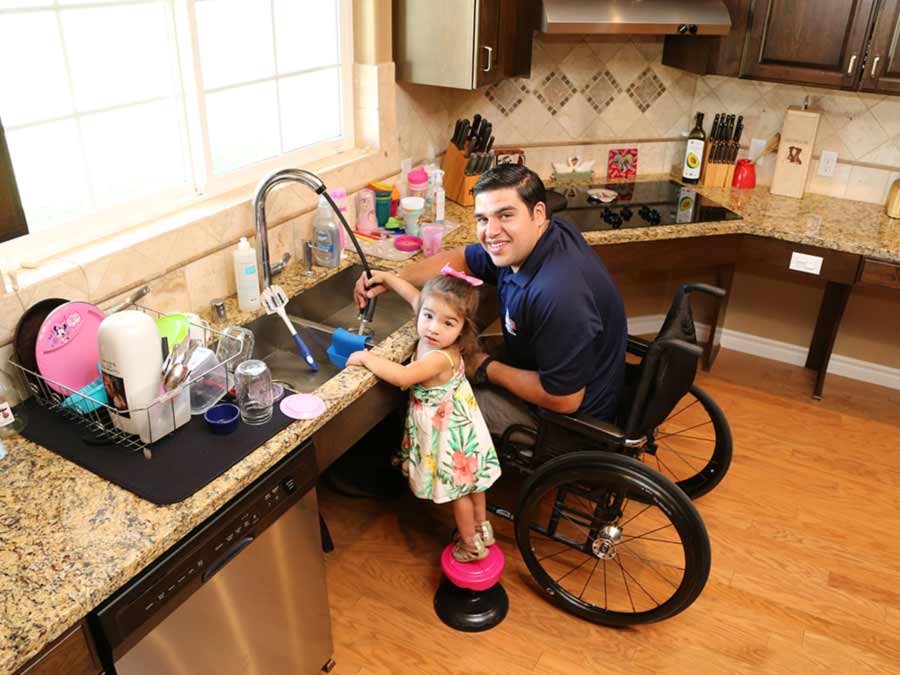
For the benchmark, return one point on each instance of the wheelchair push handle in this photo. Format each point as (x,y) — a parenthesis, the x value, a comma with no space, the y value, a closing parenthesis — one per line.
(705,288)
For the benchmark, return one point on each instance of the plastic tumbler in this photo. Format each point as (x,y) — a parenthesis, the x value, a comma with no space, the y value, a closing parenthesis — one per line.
(365,212)
(412,208)
(253,391)
(432,238)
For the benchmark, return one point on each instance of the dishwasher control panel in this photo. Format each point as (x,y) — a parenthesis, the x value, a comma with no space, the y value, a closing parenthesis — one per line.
(175,575)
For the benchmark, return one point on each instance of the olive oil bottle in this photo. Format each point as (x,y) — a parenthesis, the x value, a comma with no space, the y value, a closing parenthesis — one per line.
(693,154)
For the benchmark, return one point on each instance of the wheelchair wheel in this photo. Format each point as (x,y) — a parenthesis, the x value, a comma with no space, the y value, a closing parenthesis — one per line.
(611,540)
(692,447)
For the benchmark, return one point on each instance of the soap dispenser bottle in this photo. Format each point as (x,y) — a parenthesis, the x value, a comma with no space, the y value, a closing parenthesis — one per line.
(326,236)
(245,276)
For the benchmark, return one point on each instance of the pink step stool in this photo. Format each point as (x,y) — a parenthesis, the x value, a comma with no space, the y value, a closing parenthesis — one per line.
(471,597)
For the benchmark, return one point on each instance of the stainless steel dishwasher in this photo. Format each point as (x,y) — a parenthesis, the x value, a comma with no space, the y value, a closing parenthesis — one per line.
(244,593)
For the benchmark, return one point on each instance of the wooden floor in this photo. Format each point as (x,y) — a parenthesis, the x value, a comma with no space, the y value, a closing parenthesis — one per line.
(806,559)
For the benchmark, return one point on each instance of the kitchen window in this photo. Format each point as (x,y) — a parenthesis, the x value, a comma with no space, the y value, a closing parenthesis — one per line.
(119,111)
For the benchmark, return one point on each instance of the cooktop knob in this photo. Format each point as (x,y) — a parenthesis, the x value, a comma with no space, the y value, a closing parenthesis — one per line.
(626,213)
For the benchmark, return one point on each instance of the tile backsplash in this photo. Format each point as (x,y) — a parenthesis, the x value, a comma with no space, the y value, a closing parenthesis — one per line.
(597,92)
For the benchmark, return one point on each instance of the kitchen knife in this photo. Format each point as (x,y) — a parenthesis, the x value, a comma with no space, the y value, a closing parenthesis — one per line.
(715,128)
(490,144)
(470,165)
(736,144)
(463,134)
(484,134)
(476,126)
(455,138)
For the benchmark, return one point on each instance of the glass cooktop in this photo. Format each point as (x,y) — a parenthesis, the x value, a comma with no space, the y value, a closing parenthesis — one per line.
(646,204)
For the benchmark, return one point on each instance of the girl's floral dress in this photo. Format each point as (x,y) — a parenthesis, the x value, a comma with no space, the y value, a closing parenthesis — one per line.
(447,449)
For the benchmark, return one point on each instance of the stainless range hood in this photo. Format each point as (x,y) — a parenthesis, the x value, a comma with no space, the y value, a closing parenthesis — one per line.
(647,17)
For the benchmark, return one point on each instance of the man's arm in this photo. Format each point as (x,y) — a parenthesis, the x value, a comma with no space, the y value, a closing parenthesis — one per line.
(416,274)
(526,384)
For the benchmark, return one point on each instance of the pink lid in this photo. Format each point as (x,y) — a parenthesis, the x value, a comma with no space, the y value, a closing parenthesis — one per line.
(407,242)
(417,177)
(479,575)
(302,406)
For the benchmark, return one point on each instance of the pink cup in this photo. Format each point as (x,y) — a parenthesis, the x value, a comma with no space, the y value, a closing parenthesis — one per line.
(432,238)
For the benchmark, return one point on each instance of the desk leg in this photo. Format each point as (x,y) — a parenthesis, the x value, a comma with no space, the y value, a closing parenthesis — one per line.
(724,277)
(834,302)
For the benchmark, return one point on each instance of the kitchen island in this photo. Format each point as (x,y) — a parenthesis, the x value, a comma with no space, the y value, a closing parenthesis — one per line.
(69,539)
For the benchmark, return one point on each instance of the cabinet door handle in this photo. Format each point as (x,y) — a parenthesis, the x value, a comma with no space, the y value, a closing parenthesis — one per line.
(875,67)
(850,67)
(490,58)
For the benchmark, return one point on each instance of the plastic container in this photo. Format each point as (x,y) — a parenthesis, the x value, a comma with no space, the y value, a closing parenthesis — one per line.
(131,365)
(432,239)
(365,211)
(326,236)
(339,195)
(209,389)
(417,183)
(226,349)
(223,418)
(440,197)
(413,209)
(245,277)
(382,201)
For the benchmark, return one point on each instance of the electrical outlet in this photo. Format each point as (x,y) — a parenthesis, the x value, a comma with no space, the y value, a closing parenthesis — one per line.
(827,163)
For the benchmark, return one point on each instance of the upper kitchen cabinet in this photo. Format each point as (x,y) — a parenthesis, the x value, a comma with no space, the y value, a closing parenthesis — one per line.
(463,44)
(882,72)
(711,55)
(819,42)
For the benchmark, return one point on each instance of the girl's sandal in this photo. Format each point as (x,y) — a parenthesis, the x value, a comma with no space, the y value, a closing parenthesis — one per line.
(465,553)
(486,530)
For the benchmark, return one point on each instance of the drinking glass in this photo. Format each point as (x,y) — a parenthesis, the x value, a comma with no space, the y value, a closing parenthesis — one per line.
(432,239)
(253,390)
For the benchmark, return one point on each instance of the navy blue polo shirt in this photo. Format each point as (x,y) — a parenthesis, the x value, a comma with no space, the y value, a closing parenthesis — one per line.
(563,317)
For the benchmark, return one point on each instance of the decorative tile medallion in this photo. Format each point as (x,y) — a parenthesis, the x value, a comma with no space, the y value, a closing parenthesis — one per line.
(554,91)
(645,89)
(507,95)
(601,91)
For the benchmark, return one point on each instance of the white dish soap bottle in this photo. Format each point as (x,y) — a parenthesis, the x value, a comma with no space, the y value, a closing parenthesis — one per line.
(326,236)
(245,276)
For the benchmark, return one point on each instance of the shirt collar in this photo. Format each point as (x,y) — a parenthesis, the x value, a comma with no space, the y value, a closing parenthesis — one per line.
(537,256)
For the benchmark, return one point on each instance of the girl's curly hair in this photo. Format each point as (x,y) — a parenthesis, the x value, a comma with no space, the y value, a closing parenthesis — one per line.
(462,298)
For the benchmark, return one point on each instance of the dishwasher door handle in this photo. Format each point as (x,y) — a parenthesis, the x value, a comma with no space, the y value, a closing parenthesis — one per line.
(227,557)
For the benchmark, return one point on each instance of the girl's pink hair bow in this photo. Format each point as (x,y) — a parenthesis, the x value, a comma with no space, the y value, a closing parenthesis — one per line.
(448,271)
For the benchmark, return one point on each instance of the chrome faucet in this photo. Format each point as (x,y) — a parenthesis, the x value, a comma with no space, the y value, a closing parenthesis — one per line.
(312,181)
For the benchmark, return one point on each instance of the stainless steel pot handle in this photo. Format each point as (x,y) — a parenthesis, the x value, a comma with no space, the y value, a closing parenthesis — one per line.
(875,67)
(852,63)
(490,58)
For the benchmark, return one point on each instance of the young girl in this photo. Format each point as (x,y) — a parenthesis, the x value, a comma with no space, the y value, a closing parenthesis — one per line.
(447,450)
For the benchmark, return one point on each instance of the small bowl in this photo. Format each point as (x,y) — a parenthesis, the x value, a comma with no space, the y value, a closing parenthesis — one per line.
(223,418)
(407,243)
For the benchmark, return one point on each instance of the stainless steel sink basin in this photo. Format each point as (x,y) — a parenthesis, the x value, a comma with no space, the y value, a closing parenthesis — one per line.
(316,313)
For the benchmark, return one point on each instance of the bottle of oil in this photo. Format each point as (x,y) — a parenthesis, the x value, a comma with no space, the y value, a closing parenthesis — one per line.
(693,154)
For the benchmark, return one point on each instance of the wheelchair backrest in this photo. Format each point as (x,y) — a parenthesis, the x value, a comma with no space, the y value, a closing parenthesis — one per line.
(666,372)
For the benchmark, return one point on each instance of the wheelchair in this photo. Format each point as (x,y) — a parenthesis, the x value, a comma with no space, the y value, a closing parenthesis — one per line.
(604,519)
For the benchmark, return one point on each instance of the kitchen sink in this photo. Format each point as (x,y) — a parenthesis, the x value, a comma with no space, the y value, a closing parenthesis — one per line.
(316,313)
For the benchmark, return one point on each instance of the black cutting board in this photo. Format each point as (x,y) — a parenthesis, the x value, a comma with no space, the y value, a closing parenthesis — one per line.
(182,463)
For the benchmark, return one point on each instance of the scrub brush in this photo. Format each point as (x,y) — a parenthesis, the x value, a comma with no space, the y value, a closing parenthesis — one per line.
(274,300)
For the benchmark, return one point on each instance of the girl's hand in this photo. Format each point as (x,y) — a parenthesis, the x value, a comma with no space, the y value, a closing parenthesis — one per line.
(358,358)
(369,288)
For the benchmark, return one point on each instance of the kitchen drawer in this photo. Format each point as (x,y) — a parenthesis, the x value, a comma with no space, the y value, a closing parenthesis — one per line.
(666,255)
(775,255)
(73,654)
(880,273)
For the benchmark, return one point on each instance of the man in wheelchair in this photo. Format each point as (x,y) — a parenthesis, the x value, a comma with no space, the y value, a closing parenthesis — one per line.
(563,318)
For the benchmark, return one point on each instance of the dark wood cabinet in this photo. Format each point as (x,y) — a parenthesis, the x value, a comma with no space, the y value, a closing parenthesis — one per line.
(807,41)
(845,44)
(72,654)
(882,71)
(489,56)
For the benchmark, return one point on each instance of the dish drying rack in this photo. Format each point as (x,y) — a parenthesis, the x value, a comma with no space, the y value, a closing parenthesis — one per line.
(161,415)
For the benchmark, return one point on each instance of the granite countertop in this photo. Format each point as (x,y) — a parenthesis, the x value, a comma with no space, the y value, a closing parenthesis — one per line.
(69,539)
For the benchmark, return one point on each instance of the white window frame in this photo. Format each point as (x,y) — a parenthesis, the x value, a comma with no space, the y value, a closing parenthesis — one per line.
(35,247)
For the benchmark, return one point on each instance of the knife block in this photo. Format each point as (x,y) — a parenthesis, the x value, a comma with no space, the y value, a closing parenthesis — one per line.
(457,185)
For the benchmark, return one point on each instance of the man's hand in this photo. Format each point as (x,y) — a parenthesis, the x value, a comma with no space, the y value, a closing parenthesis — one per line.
(365,289)
(473,362)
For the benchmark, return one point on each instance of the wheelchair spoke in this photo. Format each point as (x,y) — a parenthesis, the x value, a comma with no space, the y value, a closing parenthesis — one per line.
(673,416)
(553,555)
(647,563)
(577,567)
(682,456)
(653,531)
(622,525)
(680,432)
(625,579)
(639,584)
(591,576)
(682,453)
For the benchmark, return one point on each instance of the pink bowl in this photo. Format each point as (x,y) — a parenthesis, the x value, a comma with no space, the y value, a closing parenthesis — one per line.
(477,576)
(302,406)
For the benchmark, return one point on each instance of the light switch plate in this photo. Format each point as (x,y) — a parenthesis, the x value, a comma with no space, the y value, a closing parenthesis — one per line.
(803,262)
(827,163)
(756,147)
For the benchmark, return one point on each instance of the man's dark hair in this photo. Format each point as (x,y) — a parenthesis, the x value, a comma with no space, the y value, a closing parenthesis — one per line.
(527,183)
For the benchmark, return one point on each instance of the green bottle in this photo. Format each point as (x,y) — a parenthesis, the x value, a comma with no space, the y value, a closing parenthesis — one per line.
(693,154)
